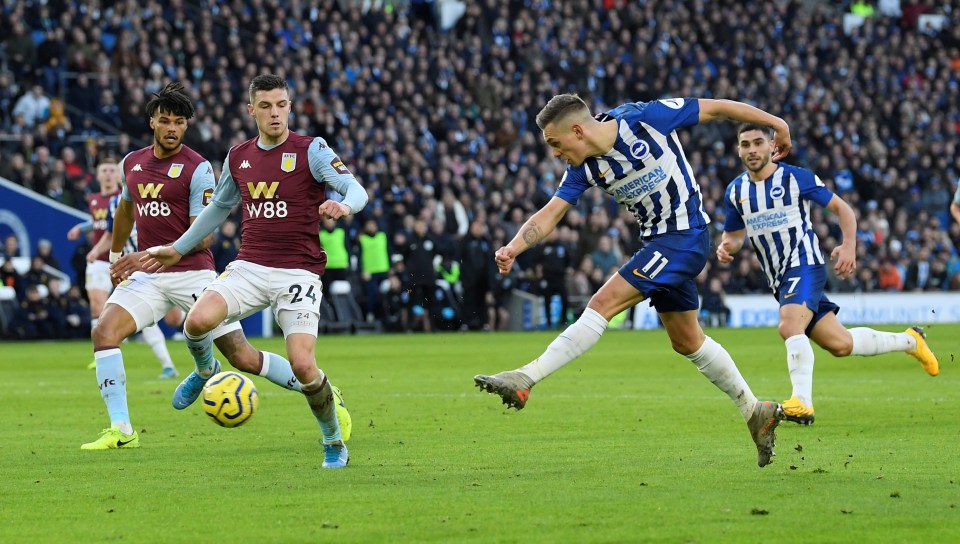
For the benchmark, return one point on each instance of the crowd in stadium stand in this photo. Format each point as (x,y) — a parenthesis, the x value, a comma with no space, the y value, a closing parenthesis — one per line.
(438,123)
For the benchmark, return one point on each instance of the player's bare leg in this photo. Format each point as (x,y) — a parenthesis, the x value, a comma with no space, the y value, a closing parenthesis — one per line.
(794,319)
(206,314)
(320,397)
(514,386)
(713,361)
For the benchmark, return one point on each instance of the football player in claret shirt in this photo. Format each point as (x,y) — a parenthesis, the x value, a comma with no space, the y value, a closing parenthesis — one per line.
(165,186)
(770,204)
(280,179)
(98,283)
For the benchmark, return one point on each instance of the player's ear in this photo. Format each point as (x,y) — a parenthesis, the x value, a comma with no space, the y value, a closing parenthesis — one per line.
(152,124)
(250,109)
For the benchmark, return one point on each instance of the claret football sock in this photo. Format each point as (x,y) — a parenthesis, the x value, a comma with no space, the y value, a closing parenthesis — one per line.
(320,398)
(278,370)
(716,364)
(800,362)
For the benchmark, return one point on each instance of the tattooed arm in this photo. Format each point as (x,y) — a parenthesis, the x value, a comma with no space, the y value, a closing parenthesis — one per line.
(534,231)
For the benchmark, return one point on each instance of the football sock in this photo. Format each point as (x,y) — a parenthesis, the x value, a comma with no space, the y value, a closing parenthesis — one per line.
(716,364)
(158,343)
(278,370)
(800,362)
(320,398)
(201,347)
(867,341)
(113,387)
(572,343)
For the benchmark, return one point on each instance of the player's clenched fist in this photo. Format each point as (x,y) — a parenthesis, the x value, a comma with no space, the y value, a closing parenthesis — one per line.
(505,257)
(334,210)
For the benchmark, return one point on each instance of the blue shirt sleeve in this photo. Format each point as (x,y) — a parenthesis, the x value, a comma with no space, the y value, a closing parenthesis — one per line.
(124,191)
(201,188)
(670,114)
(812,188)
(327,167)
(572,185)
(225,197)
(734,221)
(227,194)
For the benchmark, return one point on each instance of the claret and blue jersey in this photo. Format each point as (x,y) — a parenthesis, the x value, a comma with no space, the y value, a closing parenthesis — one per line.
(646,171)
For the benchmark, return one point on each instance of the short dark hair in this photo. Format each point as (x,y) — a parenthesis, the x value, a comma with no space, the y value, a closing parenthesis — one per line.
(560,106)
(107,158)
(171,99)
(266,82)
(747,127)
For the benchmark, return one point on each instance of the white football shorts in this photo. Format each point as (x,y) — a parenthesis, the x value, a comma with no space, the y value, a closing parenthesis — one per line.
(293,295)
(148,297)
(98,276)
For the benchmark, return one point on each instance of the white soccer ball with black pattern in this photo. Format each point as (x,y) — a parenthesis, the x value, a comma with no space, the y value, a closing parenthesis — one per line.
(230,398)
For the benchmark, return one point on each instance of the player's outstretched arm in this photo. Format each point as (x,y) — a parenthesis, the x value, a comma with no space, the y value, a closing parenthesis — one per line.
(78,229)
(844,256)
(955,209)
(730,244)
(714,110)
(534,231)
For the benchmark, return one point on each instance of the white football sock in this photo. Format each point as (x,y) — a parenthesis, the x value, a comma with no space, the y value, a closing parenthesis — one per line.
(716,364)
(870,342)
(278,370)
(572,343)
(800,362)
(154,338)
(112,380)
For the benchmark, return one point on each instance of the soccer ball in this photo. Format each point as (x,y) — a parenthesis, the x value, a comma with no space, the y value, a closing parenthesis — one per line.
(230,398)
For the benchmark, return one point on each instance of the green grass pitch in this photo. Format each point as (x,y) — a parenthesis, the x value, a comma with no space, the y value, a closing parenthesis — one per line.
(627,444)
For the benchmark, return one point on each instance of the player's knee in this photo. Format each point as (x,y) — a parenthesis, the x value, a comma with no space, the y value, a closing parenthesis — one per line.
(840,348)
(195,325)
(104,335)
(684,345)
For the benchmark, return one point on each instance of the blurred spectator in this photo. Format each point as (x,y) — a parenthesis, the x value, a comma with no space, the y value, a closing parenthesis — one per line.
(36,275)
(226,245)
(418,255)
(75,311)
(45,252)
(714,311)
(478,276)
(396,306)
(374,263)
(33,107)
(11,247)
(33,320)
(11,278)
(888,278)
(552,262)
(333,238)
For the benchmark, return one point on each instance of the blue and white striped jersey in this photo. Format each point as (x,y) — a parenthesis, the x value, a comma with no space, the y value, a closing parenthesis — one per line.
(131,244)
(775,213)
(646,170)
